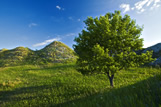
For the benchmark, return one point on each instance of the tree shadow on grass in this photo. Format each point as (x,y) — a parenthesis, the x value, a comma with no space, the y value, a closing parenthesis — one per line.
(146,93)
(6,96)
(28,94)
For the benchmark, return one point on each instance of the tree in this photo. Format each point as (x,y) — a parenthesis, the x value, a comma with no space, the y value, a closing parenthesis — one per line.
(109,44)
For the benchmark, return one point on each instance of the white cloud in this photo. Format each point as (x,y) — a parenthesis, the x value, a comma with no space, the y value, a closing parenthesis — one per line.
(156,4)
(70,34)
(141,6)
(70,18)
(132,8)
(125,7)
(60,8)
(46,42)
(142,10)
(149,3)
(32,24)
(74,19)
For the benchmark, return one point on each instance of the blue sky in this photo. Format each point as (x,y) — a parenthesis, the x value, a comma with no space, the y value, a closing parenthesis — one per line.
(36,23)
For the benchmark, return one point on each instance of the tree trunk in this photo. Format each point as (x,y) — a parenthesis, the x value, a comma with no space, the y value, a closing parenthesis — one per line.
(111,79)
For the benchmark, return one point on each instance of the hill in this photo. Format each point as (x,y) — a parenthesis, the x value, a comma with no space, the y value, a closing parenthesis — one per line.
(17,56)
(156,53)
(55,52)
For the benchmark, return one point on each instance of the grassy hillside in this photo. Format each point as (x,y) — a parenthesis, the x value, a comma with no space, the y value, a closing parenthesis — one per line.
(17,56)
(62,85)
(55,52)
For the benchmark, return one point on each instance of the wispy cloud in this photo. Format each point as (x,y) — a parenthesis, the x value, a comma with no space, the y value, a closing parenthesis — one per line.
(60,8)
(141,6)
(46,42)
(70,34)
(125,7)
(54,39)
(74,19)
(32,25)
(70,18)
(149,2)
(79,20)
(156,4)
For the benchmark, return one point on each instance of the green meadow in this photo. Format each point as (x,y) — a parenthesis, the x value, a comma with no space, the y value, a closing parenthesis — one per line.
(62,85)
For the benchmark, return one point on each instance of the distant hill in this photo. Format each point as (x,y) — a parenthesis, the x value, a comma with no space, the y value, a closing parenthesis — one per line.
(156,53)
(55,52)
(156,48)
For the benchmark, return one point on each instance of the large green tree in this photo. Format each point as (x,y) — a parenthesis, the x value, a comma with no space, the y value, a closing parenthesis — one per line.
(109,44)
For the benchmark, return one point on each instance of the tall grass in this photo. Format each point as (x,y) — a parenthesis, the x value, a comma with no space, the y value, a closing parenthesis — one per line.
(63,85)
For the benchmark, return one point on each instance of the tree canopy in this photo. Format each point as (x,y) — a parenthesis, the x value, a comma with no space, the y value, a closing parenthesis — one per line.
(110,43)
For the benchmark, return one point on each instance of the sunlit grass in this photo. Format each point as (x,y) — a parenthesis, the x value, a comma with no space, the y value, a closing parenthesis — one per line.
(63,85)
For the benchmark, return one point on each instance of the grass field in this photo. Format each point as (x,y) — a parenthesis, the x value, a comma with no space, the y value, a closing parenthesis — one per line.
(63,85)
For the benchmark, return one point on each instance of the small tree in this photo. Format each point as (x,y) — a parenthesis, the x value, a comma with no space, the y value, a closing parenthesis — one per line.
(109,44)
